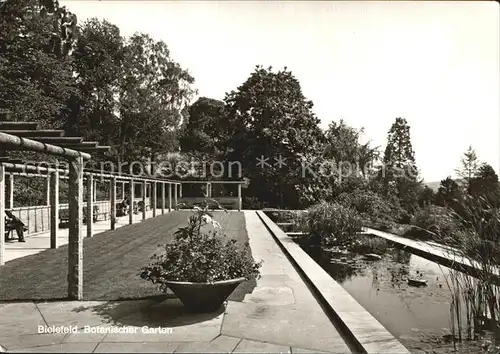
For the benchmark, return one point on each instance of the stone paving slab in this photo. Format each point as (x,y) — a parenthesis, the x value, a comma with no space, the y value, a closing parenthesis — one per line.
(250,346)
(161,347)
(290,325)
(19,318)
(221,344)
(18,342)
(60,348)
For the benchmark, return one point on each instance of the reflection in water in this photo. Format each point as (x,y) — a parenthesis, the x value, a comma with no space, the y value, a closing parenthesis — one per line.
(418,316)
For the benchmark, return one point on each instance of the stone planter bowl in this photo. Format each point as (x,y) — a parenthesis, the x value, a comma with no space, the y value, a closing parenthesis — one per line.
(203,297)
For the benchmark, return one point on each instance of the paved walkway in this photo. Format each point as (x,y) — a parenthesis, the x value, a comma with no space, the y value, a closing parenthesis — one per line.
(41,241)
(280,316)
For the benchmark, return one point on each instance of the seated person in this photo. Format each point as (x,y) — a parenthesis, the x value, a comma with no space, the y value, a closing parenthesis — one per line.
(12,222)
(122,207)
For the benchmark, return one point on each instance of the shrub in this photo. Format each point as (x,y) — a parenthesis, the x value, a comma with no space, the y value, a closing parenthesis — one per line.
(333,223)
(374,210)
(369,244)
(253,203)
(201,257)
(434,222)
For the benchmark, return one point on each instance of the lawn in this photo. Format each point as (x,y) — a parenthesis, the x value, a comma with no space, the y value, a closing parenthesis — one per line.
(111,262)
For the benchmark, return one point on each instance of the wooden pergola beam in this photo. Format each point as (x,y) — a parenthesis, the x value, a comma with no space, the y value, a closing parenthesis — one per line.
(89,149)
(15,142)
(18,125)
(34,133)
(61,141)
(212,182)
(9,160)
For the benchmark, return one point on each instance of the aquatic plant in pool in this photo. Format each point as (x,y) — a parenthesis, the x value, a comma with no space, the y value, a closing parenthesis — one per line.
(475,302)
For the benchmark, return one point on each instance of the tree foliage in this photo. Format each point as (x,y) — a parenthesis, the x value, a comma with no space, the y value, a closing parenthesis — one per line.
(35,68)
(270,117)
(448,193)
(469,167)
(399,174)
(206,128)
(485,184)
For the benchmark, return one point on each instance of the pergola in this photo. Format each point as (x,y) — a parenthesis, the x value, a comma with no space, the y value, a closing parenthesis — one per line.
(25,136)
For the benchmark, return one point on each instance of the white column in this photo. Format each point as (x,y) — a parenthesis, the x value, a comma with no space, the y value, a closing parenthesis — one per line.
(2,214)
(131,203)
(10,191)
(169,197)
(153,198)
(54,209)
(90,206)
(163,185)
(175,195)
(47,190)
(239,197)
(144,185)
(113,203)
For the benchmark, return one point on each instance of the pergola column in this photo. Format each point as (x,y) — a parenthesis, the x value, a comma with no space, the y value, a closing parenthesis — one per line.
(239,197)
(123,190)
(10,191)
(54,208)
(47,190)
(163,197)
(75,240)
(113,203)
(144,185)
(180,190)
(131,203)
(94,190)
(2,213)
(175,194)
(90,206)
(169,197)
(153,197)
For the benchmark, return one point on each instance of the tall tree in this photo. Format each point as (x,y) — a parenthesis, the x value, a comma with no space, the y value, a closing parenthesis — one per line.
(270,118)
(426,196)
(368,155)
(350,158)
(206,128)
(400,173)
(342,143)
(36,38)
(485,184)
(469,167)
(98,68)
(153,94)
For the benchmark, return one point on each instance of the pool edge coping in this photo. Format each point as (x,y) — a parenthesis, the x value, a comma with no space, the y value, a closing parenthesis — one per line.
(354,319)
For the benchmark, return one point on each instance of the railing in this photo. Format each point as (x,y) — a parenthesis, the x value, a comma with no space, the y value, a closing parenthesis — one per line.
(37,218)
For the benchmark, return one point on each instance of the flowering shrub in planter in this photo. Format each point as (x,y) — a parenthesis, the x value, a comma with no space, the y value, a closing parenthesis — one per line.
(205,258)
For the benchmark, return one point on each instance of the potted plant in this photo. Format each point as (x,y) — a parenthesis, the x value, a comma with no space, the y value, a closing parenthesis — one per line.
(202,267)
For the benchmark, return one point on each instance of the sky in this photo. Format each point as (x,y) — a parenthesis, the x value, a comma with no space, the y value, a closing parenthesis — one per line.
(437,64)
